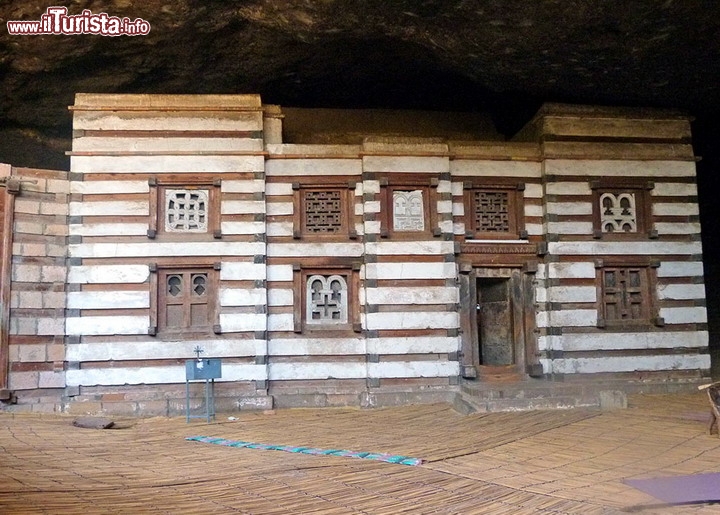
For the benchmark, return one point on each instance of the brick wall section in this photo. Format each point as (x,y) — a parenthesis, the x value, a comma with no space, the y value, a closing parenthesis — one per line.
(37,299)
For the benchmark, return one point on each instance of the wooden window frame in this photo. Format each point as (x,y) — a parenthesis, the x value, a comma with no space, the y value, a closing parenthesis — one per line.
(649,294)
(516,210)
(428,186)
(351,273)
(158,186)
(643,207)
(158,270)
(347,197)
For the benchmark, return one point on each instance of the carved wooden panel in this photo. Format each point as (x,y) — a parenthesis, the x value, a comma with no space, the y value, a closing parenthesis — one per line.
(492,211)
(323,211)
(185,300)
(625,294)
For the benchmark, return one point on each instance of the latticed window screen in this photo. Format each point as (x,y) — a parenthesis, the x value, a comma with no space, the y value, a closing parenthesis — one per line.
(618,212)
(326,300)
(185,300)
(408,212)
(323,211)
(491,211)
(186,210)
(625,294)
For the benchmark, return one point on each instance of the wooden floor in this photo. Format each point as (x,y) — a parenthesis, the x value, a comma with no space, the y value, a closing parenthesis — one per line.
(552,462)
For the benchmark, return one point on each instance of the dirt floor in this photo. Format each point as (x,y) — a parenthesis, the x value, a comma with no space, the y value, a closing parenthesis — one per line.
(569,461)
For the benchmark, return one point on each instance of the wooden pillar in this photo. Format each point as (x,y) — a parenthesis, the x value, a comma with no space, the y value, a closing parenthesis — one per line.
(7,208)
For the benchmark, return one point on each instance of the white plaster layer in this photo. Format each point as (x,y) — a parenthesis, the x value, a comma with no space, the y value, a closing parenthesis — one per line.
(495,168)
(108,187)
(617,168)
(242,297)
(243,322)
(690,315)
(158,375)
(154,349)
(412,320)
(414,369)
(242,186)
(242,207)
(191,164)
(118,229)
(108,299)
(622,341)
(317,370)
(314,249)
(395,248)
(106,325)
(242,227)
(681,291)
(413,345)
(412,164)
(108,274)
(156,249)
(110,208)
(294,167)
(410,270)
(316,347)
(630,364)
(412,295)
(680,269)
(628,247)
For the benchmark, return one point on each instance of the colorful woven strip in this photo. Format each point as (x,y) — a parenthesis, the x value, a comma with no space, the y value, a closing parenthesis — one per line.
(388,458)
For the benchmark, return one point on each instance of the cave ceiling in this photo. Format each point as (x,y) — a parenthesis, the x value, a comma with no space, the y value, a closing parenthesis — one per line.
(504,57)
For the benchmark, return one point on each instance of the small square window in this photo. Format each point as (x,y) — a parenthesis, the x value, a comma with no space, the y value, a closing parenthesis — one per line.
(621,209)
(406,206)
(326,298)
(184,300)
(494,212)
(626,295)
(323,212)
(182,210)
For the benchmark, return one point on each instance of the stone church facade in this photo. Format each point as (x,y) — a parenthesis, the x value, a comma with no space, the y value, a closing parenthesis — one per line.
(388,270)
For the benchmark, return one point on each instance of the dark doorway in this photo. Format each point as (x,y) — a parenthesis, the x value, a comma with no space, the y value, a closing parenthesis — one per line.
(495,322)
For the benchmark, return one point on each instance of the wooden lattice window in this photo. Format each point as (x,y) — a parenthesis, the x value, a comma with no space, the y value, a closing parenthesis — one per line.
(184,300)
(324,211)
(184,209)
(494,211)
(326,298)
(621,209)
(626,294)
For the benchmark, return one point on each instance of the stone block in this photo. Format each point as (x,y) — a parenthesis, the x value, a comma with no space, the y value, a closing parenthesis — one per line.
(26,273)
(257,402)
(84,408)
(30,300)
(23,380)
(24,227)
(46,407)
(52,326)
(56,250)
(120,408)
(31,353)
(55,230)
(49,379)
(53,299)
(53,274)
(612,399)
(33,249)
(301,401)
(53,208)
(27,206)
(23,325)
(57,186)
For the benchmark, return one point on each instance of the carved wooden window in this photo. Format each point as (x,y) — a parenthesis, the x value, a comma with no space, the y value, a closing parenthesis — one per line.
(621,209)
(184,300)
(184,209)
(324,211)
(494,211)
(406,207)
(626,294)
(326,298)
